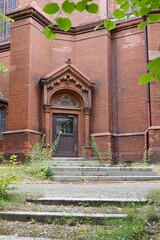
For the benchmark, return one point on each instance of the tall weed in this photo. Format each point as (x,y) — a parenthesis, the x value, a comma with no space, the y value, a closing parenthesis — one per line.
(39,159)
(7,177)
(95,148)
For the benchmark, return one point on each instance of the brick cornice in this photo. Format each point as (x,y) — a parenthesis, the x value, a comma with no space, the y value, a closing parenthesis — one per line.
(29,12)
(32,12)
(4,45)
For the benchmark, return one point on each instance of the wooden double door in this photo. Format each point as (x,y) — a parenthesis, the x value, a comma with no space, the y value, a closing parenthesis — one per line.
(68,142)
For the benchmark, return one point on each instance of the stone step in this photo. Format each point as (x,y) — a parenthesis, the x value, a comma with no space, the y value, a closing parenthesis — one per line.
(79,164)
(86,201)
(67,159)
(75,163)
(102,168)
(97,173)
(105,178)
(100,173)
(48,217)
(78,169)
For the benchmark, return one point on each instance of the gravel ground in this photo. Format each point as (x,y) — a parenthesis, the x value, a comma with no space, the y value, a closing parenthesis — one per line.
(32,207)
(33,229)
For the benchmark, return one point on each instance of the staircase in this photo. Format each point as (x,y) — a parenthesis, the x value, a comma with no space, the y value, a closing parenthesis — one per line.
(78,169)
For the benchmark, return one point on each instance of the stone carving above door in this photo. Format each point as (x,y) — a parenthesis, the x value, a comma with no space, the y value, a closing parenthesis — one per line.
(67,77)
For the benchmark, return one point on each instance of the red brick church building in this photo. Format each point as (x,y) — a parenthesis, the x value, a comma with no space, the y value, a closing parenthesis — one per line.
(84,83)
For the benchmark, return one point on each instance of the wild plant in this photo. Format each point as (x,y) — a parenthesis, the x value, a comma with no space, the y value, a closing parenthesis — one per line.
(84,153)
(146,158)
(2,158)
(39,159)
(54,146)
(95,148)
(110,154)
(7,176)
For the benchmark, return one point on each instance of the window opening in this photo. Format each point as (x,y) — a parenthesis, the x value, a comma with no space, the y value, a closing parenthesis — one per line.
(5,8)
(3,117)
(64,125)
(66,101)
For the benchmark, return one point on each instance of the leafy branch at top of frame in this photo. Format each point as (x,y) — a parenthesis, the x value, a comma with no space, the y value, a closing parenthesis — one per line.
(146,10)
(126,9)
(67,7)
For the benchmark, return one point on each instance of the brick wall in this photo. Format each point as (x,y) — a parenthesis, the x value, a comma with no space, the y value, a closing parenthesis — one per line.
(114,61)
(19,143)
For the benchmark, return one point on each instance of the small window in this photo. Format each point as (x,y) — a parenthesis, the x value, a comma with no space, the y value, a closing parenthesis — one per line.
(65,101)
(5,8)
(3,118)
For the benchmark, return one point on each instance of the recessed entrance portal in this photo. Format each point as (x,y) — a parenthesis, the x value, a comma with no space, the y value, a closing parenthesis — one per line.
(68,142)
(67,105)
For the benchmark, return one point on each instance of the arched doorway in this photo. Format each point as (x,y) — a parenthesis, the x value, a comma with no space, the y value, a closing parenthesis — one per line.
(66,109)
(67,105)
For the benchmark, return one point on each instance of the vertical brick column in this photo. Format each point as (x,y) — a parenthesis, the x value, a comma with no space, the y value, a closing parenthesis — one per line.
(154,143)
(87,111)
(47,123)
(29,61)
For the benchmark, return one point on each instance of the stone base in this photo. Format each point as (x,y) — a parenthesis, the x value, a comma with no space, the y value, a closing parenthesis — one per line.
(20,143)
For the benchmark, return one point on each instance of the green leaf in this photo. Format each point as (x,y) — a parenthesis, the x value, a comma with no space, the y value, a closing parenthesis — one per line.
(68,7)
(125,6)
(157,75)
(51,8)
(81,6)
(48,33)
(64,23)
(144,11)
(154,17)
(155,5)
(119,14)
(6,18)
(3,70)
(92,8)
(136,13)
(146,78)
(142,25)
(50,25)
(119,1)
(109,25)
(154,64)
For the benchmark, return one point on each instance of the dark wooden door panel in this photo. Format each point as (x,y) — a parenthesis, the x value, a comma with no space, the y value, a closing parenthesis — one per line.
(66,145)
(67,125)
